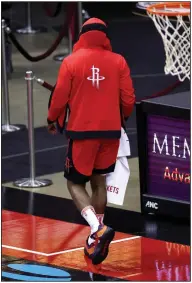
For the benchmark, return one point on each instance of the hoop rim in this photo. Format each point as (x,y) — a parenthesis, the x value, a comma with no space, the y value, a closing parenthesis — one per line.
(153,9)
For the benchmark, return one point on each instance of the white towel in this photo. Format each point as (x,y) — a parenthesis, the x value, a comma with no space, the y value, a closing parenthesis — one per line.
(117,181)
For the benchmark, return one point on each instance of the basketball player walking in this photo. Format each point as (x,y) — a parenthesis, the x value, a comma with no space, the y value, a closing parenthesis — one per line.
(95,85)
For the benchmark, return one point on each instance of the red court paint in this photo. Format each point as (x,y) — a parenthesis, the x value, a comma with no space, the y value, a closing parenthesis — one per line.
(43,234)
(137,259)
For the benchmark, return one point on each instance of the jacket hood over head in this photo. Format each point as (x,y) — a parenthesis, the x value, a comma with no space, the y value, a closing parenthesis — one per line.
(93,35)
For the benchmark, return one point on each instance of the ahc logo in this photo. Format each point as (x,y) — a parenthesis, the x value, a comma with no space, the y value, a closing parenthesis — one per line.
(151,204)
(95,77)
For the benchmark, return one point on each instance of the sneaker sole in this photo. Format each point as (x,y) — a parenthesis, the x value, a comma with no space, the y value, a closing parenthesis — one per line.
(86,253)
(102,248)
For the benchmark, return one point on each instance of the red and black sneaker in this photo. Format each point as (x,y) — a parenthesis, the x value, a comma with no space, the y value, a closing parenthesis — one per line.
(99,249)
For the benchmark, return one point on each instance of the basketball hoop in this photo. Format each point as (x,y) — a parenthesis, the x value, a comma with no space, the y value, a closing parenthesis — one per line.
(172,20)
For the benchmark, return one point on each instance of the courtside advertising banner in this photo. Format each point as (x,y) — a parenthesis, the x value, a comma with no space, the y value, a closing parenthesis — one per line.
(169,171)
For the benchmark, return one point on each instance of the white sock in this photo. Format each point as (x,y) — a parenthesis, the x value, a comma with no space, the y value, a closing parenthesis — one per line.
(100,218)
(89,215)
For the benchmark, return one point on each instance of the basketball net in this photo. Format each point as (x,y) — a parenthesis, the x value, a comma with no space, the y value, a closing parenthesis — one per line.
(176,39)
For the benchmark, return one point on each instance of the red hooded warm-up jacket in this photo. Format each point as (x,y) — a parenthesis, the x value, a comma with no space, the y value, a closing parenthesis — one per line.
(95,84)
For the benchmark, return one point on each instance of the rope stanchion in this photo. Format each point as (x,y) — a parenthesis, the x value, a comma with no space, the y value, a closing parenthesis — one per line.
(63,32)
(80,15)
(31,182)
(6,127)
(28,29)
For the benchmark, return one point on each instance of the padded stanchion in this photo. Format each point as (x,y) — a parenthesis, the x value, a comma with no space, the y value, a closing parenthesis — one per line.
(31,182)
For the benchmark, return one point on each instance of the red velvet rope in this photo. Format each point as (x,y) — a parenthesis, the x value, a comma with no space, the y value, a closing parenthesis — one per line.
(64,32)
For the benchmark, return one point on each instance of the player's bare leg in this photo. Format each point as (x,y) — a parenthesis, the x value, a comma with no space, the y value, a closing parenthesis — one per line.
(79,195)
(99,195)
(100,237)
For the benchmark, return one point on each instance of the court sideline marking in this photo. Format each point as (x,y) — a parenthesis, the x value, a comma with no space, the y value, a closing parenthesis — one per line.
(66,251)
